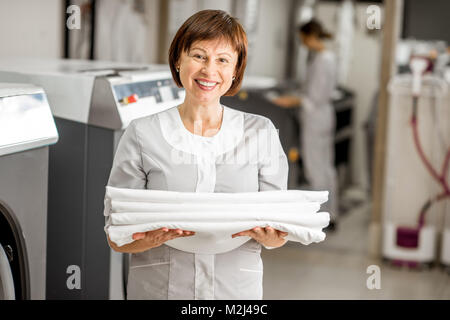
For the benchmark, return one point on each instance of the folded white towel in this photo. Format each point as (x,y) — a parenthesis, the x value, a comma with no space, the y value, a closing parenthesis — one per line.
(123,206)
(160,196)
(214,216)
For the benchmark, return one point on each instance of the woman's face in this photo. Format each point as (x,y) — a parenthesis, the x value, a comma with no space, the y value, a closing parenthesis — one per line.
(308,40)
(207,70)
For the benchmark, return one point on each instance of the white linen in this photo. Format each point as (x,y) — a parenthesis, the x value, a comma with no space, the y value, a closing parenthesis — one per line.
(160,196)
(214,216)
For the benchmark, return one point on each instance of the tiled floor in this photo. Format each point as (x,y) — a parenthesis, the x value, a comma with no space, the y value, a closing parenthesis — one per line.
(337,269)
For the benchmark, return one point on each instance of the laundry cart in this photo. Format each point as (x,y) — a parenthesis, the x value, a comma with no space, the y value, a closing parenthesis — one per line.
(26,131)
(417,176)
(92,102)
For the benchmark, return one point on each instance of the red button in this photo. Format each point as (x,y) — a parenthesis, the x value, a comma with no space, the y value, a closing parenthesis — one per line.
(133,98)
(130,99)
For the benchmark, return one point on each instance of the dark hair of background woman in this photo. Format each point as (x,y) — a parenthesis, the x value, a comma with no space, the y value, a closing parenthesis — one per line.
(314,27)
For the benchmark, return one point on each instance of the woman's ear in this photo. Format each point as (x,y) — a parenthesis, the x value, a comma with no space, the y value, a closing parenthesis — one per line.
(177,65)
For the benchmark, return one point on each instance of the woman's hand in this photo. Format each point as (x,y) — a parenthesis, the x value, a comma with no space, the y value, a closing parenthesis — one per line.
(150,239)
(287,101)
(155,238)
(267,236)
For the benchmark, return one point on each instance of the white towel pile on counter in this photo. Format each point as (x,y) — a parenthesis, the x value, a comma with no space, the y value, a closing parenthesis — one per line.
(214,216)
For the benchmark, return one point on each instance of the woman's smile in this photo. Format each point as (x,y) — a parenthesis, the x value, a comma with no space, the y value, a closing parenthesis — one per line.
(206,85)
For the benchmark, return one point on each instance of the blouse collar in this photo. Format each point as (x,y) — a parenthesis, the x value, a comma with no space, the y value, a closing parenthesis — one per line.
(226,139)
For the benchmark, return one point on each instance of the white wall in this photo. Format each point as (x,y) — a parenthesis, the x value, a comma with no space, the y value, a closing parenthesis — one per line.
(31,28)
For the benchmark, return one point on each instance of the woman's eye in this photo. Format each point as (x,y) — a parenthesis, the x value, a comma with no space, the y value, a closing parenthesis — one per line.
(197,56)
(223,60)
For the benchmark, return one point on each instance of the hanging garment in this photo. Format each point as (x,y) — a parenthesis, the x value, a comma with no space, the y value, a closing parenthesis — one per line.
(215,217)
(158,153)
(114,25)
(344,38)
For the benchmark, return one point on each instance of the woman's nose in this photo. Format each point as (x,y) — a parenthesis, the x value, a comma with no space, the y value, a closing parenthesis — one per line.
(209,67)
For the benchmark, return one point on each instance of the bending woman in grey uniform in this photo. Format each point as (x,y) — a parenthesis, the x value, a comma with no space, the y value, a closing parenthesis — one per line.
(201,146)
(317,115)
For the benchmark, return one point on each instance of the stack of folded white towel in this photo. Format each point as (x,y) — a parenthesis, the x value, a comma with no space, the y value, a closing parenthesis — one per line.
(214,216)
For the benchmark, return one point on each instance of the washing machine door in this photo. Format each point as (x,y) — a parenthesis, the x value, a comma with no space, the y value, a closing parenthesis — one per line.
(6,278)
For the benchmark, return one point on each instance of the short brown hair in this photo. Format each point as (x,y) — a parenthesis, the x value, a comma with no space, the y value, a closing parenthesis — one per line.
(210,25)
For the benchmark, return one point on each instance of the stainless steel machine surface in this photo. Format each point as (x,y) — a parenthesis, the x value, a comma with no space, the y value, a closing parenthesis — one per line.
(26,130)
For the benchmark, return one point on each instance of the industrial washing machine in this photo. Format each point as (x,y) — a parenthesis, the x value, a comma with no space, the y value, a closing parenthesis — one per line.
(92,103)
(26,130)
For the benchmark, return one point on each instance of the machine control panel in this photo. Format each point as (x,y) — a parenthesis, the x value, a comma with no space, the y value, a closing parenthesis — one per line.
(121,98)
(162,90)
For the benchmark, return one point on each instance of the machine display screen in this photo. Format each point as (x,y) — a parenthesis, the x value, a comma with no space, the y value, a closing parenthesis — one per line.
(162,90)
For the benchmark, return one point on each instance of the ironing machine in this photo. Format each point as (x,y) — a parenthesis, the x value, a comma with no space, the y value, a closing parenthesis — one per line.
(417,188)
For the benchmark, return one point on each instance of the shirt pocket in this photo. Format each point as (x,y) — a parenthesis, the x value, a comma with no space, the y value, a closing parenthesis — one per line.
(148,274)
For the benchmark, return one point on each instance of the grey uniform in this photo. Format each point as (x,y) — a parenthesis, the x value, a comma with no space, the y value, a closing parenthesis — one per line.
(158,152)
(318,123)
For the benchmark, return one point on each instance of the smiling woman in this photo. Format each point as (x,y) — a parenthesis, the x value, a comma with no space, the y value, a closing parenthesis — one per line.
(223,150)
(207,57)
